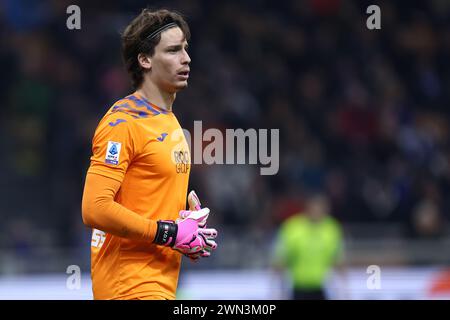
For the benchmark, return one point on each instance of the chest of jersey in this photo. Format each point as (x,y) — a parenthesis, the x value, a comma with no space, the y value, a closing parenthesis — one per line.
(164,152)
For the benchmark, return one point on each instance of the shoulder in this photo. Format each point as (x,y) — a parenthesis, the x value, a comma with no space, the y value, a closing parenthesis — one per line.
(134,107)
(332,222)
(124,112)
(124,118)
(333,226)
(293,222)
(117,122)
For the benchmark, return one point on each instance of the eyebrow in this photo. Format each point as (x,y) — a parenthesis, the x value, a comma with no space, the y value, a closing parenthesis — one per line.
(176,46)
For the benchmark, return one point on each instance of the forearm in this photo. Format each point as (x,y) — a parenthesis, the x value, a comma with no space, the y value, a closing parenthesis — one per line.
(100,211)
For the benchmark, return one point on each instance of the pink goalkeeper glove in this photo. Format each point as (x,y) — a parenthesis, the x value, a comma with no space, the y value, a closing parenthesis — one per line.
(185,235)
(194,201)
(195,205)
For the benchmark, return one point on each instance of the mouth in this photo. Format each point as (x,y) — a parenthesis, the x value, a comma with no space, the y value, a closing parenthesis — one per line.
(183,74)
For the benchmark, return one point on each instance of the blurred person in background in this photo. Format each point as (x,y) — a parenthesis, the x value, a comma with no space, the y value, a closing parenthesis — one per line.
(309,244)
(137,182)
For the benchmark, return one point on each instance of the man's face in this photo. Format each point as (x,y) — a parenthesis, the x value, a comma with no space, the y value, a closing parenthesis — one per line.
(170,62)
(318,207)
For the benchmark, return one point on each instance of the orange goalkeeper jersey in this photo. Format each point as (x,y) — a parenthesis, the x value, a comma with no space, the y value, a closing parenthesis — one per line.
(143,147)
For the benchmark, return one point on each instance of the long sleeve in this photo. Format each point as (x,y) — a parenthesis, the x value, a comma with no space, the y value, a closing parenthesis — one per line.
(100,211)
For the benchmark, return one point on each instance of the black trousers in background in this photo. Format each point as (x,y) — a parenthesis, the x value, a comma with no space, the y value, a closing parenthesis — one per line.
(315,294)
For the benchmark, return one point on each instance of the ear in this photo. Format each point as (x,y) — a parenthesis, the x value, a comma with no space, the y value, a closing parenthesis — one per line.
(144,61)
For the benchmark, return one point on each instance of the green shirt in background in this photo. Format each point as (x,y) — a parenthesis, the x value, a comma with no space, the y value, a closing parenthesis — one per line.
(308,249)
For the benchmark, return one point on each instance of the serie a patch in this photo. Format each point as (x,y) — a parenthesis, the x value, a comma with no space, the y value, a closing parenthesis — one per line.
(113,152)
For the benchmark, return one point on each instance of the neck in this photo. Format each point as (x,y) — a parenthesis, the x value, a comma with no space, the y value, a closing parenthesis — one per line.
(157,96)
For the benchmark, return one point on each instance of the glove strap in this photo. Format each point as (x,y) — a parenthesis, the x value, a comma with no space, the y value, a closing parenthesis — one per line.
(166,233)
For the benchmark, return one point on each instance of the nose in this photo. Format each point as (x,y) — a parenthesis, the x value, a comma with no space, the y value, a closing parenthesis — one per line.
(186,59)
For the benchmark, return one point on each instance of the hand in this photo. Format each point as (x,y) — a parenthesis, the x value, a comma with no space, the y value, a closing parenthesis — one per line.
(185,235)
(194,201)
(204,237)
(209,235)
(194,205)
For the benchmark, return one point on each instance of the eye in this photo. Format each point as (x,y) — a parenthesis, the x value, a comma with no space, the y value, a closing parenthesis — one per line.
(173,49)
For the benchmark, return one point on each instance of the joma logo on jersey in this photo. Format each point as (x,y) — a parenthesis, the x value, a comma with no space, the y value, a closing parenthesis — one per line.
(113,152)
(182,161)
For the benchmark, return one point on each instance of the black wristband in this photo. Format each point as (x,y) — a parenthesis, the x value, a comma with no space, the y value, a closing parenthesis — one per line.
(165,232)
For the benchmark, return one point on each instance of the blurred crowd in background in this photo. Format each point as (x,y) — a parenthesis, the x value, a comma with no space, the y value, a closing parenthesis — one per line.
(363,114)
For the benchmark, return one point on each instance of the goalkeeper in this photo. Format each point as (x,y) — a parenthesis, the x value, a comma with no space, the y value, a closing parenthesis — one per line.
(134,196)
